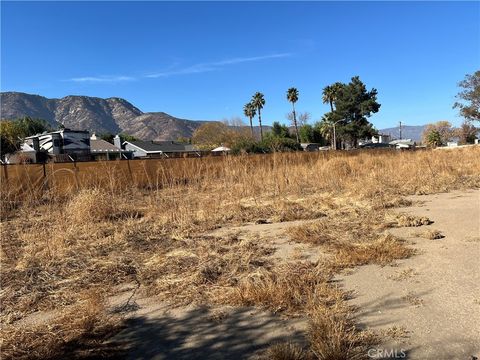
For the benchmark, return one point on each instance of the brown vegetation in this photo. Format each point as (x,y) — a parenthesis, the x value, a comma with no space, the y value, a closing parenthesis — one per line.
(60,241)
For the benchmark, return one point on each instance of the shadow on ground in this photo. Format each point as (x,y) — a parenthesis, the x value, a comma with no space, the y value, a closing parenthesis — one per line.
(201,334)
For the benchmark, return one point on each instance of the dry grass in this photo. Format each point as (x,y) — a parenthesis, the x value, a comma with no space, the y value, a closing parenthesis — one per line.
(406,220)
(58,242)
(286,351)
(333,336)
(431,234)
(290,288)
(78,331)
(381,251)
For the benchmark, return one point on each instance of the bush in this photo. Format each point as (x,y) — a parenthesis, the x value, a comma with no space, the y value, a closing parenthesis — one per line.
(280,144)
(248,145)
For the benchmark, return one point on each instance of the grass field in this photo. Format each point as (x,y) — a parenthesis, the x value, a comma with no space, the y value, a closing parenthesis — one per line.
(64,253)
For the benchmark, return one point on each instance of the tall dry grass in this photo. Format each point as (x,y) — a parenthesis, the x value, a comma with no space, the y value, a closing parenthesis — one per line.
(149,225)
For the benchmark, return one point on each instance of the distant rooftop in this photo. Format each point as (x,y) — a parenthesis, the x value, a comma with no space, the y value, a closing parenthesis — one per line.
(100,145)
(162,146)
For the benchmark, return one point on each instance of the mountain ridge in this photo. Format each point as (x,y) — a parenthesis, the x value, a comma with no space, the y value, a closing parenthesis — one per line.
(101,115)
(117,115)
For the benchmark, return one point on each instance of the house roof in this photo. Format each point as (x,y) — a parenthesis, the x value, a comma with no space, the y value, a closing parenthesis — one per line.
(403,142)
(100,145)
(162,146)
(221,148)
(26,148)
(58,132)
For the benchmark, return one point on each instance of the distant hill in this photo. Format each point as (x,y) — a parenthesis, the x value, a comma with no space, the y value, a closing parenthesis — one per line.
(112,115)
(115,115)
(408,132)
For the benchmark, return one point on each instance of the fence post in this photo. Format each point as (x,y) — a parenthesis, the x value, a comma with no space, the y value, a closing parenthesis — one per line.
(75,172)
(4,166)
(130,171)
(45,179)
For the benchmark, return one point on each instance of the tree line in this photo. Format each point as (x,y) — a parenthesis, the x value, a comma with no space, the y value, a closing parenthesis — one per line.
(468,103)
(351,104)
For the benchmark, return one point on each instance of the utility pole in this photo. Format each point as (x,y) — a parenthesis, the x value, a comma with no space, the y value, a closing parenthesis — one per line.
(400,130)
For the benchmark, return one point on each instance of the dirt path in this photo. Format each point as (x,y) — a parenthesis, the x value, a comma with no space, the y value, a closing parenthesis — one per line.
(430,302)
(158,331)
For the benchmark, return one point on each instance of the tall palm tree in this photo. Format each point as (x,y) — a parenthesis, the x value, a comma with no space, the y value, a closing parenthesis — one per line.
(292,96)
(258,101)
(250,112)
(329,96)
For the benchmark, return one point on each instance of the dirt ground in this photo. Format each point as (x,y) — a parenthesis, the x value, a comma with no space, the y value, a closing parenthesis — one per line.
(426,307)
(430,303)
(157,331)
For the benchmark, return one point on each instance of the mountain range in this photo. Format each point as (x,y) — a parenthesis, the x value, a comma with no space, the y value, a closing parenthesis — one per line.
(115,115)
(408,132)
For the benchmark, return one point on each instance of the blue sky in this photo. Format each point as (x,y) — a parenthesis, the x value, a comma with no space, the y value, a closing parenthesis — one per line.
(204,60)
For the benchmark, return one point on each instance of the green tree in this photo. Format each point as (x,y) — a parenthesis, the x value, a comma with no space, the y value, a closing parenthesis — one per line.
(9,139)
(279,144)
(469,97)
(279,130)
(258,101)
(250,112)
(14,132)
(310,134)
(27,126)
(123,137)
(354,104)
(325,128)
(433,138)
(292,96)
(126,137)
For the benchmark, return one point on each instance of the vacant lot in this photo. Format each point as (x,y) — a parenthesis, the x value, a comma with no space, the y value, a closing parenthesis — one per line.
(247,251)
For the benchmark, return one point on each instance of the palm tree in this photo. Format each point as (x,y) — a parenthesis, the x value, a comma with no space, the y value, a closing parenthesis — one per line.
(329,96)
(258,101)
(325,126)
(330,93)
(292,96)
(250,112)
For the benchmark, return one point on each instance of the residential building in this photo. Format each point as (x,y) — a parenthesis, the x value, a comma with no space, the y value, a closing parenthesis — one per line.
(103,150)
(62,145)
(156,149)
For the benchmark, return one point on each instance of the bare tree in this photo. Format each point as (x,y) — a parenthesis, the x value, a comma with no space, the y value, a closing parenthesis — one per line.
(302,118)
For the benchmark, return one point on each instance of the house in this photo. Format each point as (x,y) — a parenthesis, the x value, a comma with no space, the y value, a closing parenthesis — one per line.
(103,150)
(381,139)
(156,149)
(62,145)
(221,150)
(403,144)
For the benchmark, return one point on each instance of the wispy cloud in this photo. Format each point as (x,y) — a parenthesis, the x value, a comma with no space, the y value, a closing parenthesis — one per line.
(250,59)
(212,66)
(192,69)
(102,79)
